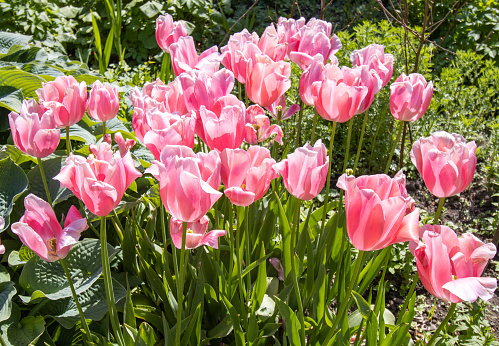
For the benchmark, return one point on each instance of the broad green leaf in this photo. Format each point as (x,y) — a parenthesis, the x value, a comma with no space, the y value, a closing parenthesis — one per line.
(14,77)
(363,306)
(78,132)
(7,292)
(15,154)
(151,9)
(4,274)
(51,167)
(11,98)
(292,324)
(17,332)
(47,279)
(8,39)
(12,184)
(146,335)
(222,329)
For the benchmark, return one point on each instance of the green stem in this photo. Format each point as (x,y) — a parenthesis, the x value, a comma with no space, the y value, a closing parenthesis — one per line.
(442,325)
(353,281)
(2,341)
(231,260)
(312,138)
(103,129)
(108,283)
(75,298)
(180,286)
(401,163)
(388,163)
(407,299)
(44,179)
(248,252)
(82,207)
(439,210)
(239,86)
(298,132)
(239,259)
(118,226)
(347,150)
(359,147)
(328,180)
(68,141)
(164,67)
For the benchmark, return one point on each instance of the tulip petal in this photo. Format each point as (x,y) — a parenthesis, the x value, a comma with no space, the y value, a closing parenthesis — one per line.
(471,288)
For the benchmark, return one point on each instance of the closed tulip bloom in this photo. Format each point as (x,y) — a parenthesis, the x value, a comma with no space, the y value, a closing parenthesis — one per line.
(99,180)
(33,130)
(363,76)
(375,58)
(258,128)
(66,98)
(267,81)
(186,190)
(410,97)
(185,57)
(247,174)
(196,235)
(39,229)
(445,161)
(450,267)
(168,31)
(103,102)
(304,172)
(379,211)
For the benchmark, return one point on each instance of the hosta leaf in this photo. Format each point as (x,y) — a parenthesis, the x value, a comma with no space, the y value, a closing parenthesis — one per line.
(15,77)
(7,292)
(11,98)
(51,167)
(8,39)
(17,332)
(12,184)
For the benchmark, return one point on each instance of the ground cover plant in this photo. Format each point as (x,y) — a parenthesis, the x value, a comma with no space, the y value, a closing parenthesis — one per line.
(299,185)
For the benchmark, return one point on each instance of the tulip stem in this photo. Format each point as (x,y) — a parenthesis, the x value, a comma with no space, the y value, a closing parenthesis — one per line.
(353,281)
(407,299)
(328,180)
(347,150)
(298,126)
(117,225)
(387,169)
(312,138)
(359,147)
(103,129)
(164,67)
(443,324)
(108,283)
(231,260)
(248,251)
(180,286)
(439,210)
(401,163)
(68,141)
(239,263)
(75,298)
(44,180)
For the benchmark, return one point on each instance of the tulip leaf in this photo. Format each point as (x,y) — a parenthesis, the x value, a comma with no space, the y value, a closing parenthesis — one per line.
(7,292)
(93,303)
(47,279)
(12,184)
(51,167)
(17,332)
(291,322)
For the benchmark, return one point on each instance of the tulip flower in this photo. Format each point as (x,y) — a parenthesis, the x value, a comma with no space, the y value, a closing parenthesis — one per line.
(168,31)
(304,172)
(379,211)
(288,32)
(241,47)
(66,98)
(103,102)
(247,174)
(99,180)
(316,72)
(270,45)
(410,97)
(186,181)
(196,233)
(445,161)
(315,42)
(33,130)
(363,76)
(185,58)
(375,58)
(279,110)
(450,267)
(258,128)
(39,229)
(267,81)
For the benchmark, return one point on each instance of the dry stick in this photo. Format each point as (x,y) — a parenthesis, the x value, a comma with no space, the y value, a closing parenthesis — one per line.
(422,39)
(237,21)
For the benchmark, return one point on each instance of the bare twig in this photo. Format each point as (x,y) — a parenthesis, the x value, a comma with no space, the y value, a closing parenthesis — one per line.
(237,21)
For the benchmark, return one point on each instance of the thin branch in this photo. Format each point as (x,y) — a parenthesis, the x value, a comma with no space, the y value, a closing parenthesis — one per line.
(237,21)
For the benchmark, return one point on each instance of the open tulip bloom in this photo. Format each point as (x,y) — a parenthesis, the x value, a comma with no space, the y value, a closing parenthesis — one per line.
(196,233)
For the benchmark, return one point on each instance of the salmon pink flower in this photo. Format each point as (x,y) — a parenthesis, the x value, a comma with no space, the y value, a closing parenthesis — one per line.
(258,128)
(450,267)
(316,72)
(241,47)
(196,233)
(271,46)
(279,110)
(314,42)
(99,180)
(410,97)
(39,229)
(66,98)
(288,31)
(103,102)
(379,211)
(304,172)
(375,58)
(247,174)
(33,130)
(185,58)
(168,31)
(445,161)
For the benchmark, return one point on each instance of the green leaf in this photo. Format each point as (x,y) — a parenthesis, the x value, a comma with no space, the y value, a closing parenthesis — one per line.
(80,133)
(108,47)
(47,279)
(12,76)
(51,167)
(292,324)
(222,329)
(11,98)
(286,237)
(17,332)
(363,306)
(8,39)
(15,154)
(151,9)
(146,335)
(7,292)
(12,184)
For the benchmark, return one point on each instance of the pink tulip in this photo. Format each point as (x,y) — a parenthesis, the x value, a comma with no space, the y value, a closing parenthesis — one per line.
(66,98)
(279,110)
(379,211)
(410,97)
(316,72)
(267,81)
(241,47)
(271,46)
(39,229)
(445,161)
(185,58)
(196,233)
(168,31)
(304,172)
(450,267)
(338,98)
(258,128)
(186,187)
(314,42)
(103,102)
(247,175)
(33,130)
(363,76)
(374,56)
(100,180)
(123,145)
